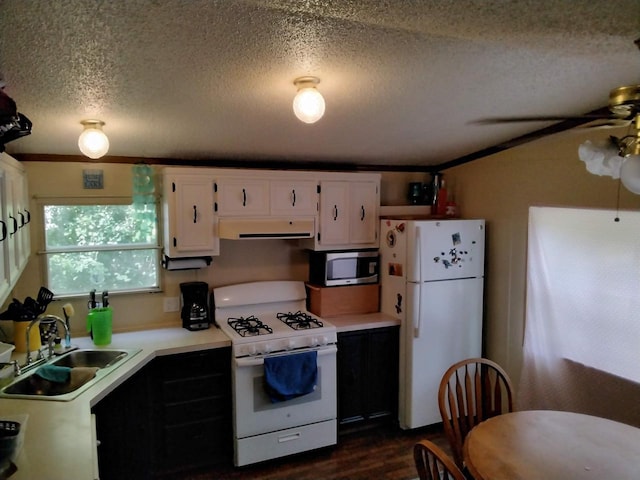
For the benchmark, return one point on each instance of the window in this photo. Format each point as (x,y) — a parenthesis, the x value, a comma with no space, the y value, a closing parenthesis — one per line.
(583,284)
(100,246)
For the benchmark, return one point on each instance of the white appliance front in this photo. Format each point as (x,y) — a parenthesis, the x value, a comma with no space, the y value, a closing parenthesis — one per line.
(446,327)
(431,277)
(265,430)
(443,250)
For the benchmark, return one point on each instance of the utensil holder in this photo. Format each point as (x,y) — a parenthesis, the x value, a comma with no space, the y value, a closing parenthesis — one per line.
(99,324)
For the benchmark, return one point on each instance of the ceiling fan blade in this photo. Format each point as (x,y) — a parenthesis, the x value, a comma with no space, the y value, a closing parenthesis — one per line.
(544,118)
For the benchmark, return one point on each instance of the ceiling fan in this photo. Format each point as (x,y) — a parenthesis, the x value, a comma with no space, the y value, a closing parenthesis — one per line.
(620,157)
(624,108)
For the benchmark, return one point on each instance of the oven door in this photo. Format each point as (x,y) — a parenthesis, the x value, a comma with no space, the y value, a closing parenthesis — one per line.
(255,414)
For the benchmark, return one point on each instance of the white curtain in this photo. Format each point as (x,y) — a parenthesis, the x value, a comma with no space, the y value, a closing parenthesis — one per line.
(582,333)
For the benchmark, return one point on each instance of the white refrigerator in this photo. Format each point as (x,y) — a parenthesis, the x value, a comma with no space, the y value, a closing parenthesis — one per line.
(432,279)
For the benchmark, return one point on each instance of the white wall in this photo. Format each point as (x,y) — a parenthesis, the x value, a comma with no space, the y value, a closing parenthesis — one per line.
(501,188)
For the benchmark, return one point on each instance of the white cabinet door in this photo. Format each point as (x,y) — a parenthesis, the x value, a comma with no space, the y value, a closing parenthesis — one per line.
(293,198)
(348,214)
(190,224)
(334,213)
(12,243)
(363,222)
(242,197)
(15,246)
(5,285)
(23,217)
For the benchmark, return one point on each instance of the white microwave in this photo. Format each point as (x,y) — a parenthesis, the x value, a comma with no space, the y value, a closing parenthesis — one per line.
(346,267)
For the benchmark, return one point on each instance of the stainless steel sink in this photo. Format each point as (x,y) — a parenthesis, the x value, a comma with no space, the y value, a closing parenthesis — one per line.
(31,386)
(90,358)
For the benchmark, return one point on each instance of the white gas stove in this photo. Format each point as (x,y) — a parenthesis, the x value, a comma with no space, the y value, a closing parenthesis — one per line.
(267,322)
(269,317)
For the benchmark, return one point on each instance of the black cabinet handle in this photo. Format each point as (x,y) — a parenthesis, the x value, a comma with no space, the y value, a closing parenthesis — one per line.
(335,213)
(28,215)
(15,224)
(4,231)
(244,197)
(195,214)
(362,213)
(294,198)
(22,221)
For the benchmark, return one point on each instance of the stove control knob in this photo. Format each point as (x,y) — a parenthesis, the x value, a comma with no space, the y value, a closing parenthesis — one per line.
(313,341)
(291,344)
(251,350)
(267,348)
(323,340)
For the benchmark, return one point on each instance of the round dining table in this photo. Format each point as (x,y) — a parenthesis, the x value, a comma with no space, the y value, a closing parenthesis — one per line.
(548,444)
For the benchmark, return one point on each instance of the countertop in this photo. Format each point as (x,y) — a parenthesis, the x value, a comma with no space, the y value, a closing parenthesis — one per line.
(59,439)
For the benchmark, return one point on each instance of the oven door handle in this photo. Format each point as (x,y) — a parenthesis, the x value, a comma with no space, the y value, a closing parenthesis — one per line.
(259,360)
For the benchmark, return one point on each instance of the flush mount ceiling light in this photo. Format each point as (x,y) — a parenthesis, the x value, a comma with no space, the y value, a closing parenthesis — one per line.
(308,104)
(92,141)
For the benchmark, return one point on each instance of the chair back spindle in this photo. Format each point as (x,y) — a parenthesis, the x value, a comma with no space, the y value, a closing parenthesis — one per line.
(433,463)
(470,392)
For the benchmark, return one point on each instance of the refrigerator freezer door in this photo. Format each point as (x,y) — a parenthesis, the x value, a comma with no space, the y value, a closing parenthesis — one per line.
(443,250)
(446,328)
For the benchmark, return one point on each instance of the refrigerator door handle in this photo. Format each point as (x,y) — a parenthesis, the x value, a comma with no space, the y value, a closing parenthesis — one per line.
(417,319)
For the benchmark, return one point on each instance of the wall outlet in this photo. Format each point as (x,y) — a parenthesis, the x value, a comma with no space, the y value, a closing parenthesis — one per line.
(171,304)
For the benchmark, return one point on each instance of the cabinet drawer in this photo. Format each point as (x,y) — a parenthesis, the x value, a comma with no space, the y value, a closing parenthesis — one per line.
(193,364)
(199,442)
(196,410)
(193,388)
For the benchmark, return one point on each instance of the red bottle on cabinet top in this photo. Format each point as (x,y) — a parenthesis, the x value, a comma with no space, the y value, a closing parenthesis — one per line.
(441,202)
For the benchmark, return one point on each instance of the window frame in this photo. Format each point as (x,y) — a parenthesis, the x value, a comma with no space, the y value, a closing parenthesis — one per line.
(43,252)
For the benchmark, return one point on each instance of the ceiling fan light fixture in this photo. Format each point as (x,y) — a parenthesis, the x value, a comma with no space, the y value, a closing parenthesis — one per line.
(630,173)
(308,104)
(93,142)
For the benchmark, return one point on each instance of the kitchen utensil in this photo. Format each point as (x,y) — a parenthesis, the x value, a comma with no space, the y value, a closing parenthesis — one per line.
(105,299)
(92,300)
(44,298)
(68,311)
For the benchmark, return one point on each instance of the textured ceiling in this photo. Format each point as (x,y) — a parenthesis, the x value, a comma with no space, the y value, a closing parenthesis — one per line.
(207,80)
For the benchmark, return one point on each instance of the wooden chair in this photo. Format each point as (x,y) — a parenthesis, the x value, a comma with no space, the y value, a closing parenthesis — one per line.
(433,463)
(471,391)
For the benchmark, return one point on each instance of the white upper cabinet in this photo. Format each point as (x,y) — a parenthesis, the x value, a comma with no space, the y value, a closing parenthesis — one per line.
(321,210)
(363,209)
(294,197)
(348,215)
(334,213)
(242,197)
(190,227)
(15,223)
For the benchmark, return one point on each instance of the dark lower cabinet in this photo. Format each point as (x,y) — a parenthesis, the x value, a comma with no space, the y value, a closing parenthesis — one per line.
(173,415)
(123,426)
(192,410)
(368,376)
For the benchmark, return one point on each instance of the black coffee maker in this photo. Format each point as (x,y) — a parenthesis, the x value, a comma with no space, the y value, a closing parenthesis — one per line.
(196,305)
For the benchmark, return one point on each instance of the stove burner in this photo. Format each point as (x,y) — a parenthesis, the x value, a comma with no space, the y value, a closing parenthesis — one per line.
(248,327)
(299,320)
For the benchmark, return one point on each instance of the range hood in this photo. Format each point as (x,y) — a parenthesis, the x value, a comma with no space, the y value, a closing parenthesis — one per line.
(266,228)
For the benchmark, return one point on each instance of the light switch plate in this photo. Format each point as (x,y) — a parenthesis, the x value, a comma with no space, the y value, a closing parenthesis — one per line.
(171,304)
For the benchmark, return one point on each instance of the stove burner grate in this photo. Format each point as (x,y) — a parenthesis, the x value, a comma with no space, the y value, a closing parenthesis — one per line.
(249,327)
(299,320)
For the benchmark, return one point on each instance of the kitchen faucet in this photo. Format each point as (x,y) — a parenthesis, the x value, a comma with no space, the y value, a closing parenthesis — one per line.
(16,367)
(40,358)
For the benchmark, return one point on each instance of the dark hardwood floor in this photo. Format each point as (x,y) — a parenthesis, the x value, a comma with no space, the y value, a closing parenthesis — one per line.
(383,453)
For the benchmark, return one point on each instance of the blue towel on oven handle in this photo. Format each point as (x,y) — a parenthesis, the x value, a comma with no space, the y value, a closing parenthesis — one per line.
(290,376)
